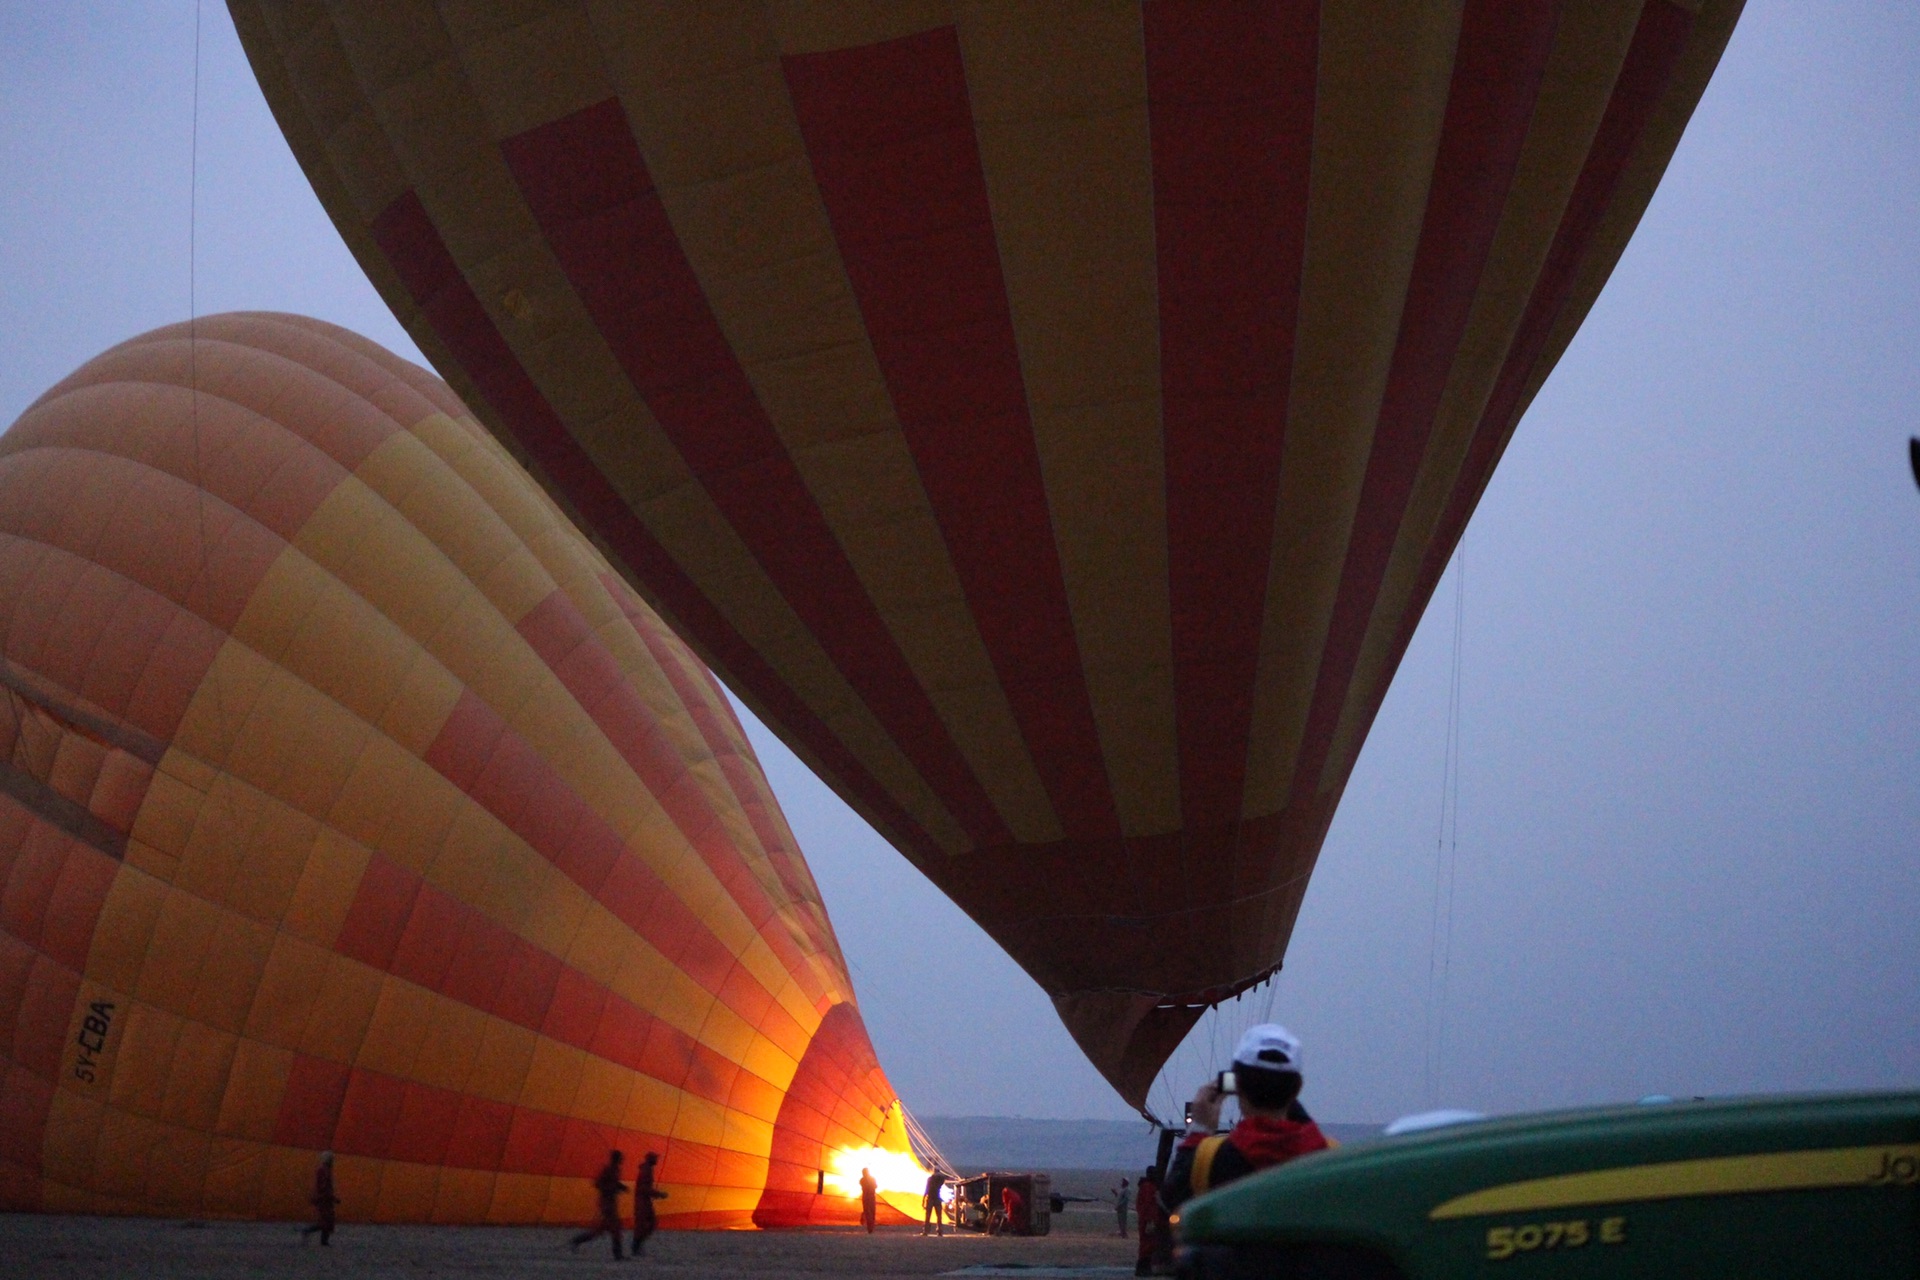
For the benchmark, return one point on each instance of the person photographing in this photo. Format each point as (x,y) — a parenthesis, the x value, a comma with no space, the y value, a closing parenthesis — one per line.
(1273,1128)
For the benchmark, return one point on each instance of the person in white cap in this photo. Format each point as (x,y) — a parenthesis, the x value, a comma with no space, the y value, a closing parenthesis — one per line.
(1273,1128)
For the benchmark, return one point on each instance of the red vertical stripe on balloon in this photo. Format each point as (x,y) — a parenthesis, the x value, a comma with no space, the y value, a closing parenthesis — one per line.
(890,133)
(448,305)
(588,187)
(1502,56)
(1230,93)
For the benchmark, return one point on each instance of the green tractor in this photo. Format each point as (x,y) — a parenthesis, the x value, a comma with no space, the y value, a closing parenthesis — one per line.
(1799,1186)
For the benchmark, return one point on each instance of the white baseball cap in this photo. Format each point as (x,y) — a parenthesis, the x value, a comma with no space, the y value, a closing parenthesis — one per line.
(1269,1046)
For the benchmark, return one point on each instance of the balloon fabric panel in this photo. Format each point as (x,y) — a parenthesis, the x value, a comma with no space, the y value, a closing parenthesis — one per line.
(1052,420)
(350,801)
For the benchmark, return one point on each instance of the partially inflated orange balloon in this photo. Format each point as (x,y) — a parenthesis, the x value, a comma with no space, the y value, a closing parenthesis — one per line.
(350,801)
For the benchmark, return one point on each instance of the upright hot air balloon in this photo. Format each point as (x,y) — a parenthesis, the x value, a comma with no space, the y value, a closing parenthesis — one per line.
(349,801)
(1052,419)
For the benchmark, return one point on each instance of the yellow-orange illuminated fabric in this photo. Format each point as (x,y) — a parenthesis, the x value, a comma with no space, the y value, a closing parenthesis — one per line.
(349,801)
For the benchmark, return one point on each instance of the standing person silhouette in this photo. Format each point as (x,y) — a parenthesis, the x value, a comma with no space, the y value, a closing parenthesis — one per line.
(1156,1239)
(609,1188)
(644,1220)
(1122,1201)
(935,1211)
(869,1189)
(323,1201)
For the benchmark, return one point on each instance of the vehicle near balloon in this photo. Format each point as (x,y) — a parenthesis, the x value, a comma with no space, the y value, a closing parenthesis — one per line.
(1782,1188)
(977,1199)
(349,801)
(1051,419)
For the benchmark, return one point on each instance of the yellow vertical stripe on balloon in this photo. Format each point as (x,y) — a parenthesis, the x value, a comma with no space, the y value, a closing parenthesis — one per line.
(250,1104)
(815,28)
(123,934)
(463,1195)
(1069,170)
(721,142)
(526,67)
(337,1024)
(1381,96)
(181,938)
(491,552)
(401,1017)
(290,988)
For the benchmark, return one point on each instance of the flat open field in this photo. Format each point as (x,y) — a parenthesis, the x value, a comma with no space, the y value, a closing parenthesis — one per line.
(63,1248)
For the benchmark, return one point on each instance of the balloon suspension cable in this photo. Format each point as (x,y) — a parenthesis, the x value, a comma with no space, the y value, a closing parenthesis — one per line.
(924,1148)
(1446,849)
(193,284)
(214,681)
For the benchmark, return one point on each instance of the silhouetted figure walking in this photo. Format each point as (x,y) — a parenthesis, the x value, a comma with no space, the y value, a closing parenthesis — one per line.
(644,1195)
(323,1201)
(608,1186)
(869,1191)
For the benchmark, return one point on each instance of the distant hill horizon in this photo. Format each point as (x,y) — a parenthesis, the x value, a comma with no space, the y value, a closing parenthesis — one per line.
(1012,1142)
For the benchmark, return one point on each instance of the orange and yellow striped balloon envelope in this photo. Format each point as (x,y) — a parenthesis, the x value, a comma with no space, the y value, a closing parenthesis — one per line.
(350,801)
(1052,419)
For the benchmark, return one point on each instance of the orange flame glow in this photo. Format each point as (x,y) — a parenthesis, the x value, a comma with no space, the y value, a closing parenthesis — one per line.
(897,1172)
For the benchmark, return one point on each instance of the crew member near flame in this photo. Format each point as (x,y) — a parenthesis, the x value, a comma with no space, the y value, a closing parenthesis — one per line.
(1272,1129)
(869,1193)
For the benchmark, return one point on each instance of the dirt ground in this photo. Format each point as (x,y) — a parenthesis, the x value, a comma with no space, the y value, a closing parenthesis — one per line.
(33,1247)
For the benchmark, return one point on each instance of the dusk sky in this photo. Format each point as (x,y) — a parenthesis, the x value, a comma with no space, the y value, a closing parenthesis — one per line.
(1687,857)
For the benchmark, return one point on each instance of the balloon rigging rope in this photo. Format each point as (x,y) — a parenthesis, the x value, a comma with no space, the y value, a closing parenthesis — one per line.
(213,677)
(193,302)
(1453,814)
(923,1143)
(1446,848)
(193,287)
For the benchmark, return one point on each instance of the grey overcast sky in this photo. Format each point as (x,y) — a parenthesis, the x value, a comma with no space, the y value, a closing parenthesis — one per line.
(1688,844)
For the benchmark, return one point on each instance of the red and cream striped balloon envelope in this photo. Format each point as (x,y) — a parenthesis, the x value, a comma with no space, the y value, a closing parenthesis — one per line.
(1052,419)
(350,801)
